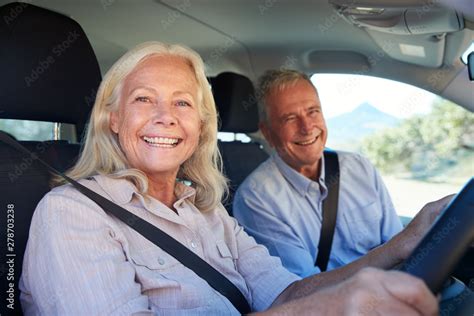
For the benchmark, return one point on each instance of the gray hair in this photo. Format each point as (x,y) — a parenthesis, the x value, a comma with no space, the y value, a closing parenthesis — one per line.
(102,154)
(276,79)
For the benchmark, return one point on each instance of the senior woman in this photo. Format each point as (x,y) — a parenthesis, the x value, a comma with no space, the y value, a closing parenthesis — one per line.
(152,132)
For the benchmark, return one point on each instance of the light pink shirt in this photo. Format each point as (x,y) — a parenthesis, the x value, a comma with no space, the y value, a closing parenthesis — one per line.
(81,261)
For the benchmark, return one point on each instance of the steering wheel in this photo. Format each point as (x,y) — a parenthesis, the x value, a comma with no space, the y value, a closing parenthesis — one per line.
(438,253)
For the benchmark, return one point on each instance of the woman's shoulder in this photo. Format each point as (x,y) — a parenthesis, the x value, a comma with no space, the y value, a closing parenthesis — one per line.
(68,191)
(66,197)
(221,214)
(64,207)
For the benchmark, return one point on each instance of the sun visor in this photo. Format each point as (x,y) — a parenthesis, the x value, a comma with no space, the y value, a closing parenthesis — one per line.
(415,33)
(417,20)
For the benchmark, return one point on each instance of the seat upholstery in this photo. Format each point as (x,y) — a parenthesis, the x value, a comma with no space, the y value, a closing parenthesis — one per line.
(237,106)
(49,72)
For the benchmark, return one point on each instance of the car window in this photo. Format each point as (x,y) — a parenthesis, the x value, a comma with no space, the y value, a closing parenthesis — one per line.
(37,130)
(469,50)
(423,145)
(229,137)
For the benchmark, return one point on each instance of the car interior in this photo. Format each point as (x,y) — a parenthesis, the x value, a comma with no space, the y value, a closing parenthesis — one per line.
(54,53)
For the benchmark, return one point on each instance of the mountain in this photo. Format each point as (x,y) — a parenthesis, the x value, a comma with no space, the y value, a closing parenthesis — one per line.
(347,129)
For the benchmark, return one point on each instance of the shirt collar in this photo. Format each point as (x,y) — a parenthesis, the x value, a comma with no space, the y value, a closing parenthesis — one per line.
(184,192)
(121,191)
(296,179)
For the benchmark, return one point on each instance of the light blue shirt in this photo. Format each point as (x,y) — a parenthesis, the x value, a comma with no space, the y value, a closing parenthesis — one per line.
(282,209)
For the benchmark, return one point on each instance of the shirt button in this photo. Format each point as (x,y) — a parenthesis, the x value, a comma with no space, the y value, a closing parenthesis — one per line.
(161,262)
(193,245)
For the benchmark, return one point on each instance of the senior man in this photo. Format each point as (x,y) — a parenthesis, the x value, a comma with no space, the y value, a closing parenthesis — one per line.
(280,203)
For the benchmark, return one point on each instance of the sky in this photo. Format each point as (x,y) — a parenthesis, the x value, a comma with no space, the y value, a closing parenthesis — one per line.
(341,93)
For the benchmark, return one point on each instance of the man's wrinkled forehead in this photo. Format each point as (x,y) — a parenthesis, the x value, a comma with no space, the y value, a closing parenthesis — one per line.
(283,92)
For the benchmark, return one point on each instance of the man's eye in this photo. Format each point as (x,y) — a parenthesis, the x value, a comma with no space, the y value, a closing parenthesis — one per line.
(183,103)
(314,112)
(289,118)
(142,99)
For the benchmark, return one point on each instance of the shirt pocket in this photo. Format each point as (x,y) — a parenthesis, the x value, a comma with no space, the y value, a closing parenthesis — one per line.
(155,268)
(154,259)
(228,259)
(167,283)
(363,225)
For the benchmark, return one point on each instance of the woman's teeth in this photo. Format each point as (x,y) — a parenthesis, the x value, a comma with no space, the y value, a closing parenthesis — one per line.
(161,141)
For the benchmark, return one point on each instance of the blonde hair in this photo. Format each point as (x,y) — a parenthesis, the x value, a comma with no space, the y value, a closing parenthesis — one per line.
(101,152)
(276,79)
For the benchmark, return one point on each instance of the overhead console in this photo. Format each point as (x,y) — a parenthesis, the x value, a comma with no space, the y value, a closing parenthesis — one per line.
(384,16)
(416,29)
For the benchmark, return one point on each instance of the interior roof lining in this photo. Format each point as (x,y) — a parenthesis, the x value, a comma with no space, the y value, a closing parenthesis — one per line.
(247,50)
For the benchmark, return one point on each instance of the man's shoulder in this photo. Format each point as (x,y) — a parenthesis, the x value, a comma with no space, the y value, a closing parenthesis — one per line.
(263,176)
(345,156)
(354,161)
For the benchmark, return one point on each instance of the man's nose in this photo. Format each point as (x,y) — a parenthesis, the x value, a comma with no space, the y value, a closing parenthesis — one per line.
(305,125)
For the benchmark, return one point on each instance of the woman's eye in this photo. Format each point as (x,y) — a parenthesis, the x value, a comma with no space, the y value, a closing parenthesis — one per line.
(142,99)
(183,103)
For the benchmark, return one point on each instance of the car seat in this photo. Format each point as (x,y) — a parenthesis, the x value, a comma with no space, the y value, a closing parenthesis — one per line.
(49,72)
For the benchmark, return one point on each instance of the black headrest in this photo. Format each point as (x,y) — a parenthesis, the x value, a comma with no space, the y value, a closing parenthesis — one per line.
(48,70)
(236,103)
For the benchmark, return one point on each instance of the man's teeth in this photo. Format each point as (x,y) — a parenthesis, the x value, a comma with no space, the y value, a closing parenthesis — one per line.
(308,142)
(161,141)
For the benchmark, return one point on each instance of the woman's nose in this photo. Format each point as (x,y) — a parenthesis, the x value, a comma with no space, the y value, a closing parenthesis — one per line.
(163,113)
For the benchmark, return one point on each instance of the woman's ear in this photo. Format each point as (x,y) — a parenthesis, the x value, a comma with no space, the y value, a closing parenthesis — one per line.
(113,122)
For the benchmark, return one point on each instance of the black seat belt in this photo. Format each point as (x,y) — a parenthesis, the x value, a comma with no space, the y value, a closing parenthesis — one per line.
(188,258)
(331,170)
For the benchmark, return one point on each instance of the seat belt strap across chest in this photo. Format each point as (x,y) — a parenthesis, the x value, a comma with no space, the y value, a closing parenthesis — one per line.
(330,203)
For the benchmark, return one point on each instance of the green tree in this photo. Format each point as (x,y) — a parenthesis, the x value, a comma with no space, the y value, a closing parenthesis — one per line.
(422,145)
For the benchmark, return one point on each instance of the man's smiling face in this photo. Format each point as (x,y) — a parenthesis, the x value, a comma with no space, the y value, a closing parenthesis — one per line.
(296,126)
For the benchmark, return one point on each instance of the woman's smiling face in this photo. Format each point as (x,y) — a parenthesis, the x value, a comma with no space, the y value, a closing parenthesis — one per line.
(157,122)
